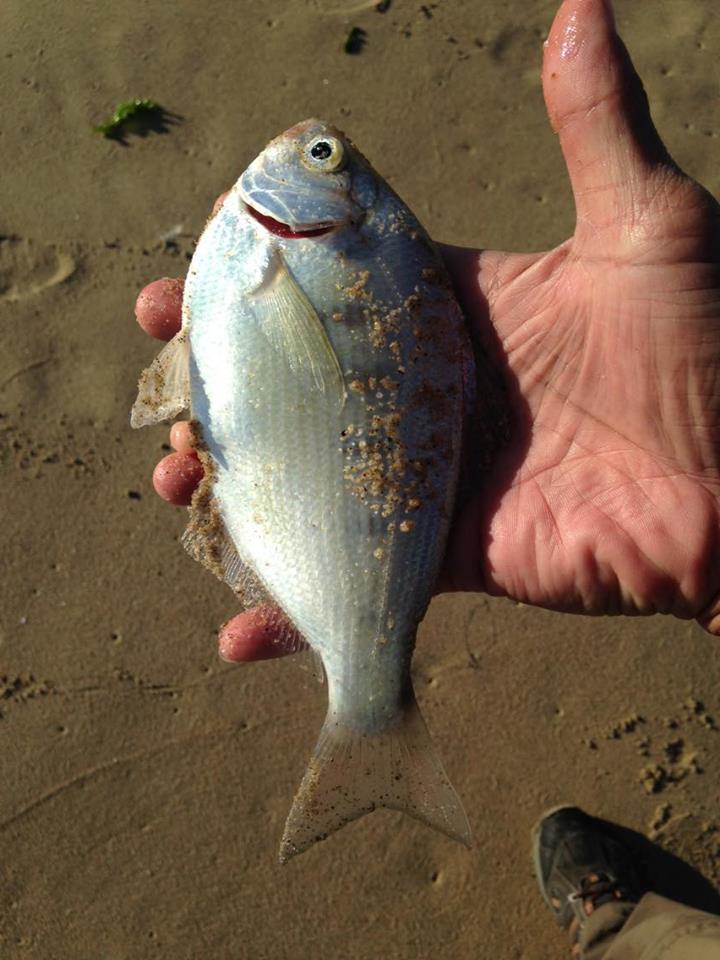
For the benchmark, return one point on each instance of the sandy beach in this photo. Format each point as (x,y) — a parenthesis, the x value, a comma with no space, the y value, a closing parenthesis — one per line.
(145,783)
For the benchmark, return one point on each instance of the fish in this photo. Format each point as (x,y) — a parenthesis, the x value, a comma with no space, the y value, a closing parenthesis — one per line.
(328,372)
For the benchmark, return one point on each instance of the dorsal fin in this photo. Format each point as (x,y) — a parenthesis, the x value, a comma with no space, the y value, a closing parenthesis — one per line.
(164,387)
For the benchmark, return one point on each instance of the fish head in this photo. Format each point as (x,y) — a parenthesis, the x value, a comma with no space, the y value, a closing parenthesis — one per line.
(308,181)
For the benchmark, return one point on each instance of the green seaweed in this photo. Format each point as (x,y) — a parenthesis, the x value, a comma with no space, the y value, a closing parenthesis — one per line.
(129,110)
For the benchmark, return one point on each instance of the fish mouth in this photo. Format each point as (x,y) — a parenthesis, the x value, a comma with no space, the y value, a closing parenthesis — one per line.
(283,230)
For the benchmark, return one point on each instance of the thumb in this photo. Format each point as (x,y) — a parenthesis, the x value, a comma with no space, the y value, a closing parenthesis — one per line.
(599,109)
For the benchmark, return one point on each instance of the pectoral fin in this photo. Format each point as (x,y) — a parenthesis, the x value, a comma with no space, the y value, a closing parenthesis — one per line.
(291,324)
(164,388)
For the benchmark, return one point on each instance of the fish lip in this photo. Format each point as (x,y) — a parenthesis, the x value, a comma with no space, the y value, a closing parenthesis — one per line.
(282,229)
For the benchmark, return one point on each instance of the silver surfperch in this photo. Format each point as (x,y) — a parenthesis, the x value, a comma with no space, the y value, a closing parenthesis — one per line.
(327,370)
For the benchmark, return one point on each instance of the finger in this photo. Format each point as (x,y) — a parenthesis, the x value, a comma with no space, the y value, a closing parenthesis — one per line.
(258,634)
(709,619)
(598,107)
(176,477)
(158,308)
(181,437)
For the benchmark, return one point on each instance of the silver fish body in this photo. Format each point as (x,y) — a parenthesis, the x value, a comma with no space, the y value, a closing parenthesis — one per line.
(328,371)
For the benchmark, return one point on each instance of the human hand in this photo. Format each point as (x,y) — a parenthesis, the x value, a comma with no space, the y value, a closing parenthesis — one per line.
(607,497)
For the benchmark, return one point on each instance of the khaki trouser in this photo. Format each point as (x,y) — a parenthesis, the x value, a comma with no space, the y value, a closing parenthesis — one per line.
(655,929)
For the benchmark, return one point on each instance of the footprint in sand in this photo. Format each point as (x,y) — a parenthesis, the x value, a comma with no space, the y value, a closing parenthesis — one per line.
(28,268)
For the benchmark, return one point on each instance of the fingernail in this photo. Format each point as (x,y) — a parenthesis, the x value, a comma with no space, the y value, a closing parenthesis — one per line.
(571,39)
(223,643)
(224,653)
(578,25)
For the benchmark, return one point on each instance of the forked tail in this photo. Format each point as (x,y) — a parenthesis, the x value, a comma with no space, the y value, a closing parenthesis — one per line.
(353,773)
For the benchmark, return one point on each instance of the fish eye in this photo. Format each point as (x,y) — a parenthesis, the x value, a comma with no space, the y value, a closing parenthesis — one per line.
(321,150)
(324,153)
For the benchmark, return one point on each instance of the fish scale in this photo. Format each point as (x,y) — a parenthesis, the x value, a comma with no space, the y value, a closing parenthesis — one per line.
(324,360)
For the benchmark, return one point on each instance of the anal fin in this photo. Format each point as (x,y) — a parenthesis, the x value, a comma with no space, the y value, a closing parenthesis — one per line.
(310,660)
(207,540)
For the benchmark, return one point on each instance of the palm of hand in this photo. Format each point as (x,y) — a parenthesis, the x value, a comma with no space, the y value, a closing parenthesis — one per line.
(606,500)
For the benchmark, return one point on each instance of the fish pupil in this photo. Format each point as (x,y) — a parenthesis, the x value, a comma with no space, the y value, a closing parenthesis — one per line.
(321,150)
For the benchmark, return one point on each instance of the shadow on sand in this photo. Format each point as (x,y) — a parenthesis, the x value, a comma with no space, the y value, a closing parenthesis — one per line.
(666,874)
(144,121)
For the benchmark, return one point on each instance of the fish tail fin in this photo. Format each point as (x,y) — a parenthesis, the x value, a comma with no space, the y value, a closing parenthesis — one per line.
(352,773)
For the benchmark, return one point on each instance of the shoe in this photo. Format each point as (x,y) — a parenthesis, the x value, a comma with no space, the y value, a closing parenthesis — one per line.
(581,864)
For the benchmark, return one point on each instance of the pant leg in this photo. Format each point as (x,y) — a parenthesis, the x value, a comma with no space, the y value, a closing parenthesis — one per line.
(656,929)
(602,928)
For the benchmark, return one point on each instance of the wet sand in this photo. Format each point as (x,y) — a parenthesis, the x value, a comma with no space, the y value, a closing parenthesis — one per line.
(145,783)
